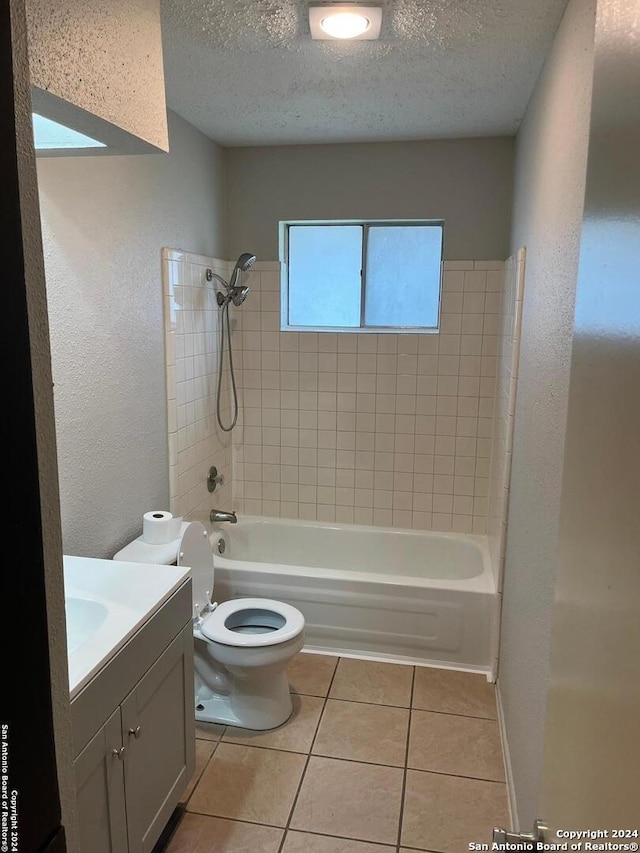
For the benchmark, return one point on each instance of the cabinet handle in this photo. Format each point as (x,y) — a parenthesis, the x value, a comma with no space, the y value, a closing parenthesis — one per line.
(136,732)
(119,753)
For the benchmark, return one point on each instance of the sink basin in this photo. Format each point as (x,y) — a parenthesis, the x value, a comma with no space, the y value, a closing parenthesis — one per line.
(84,618)
(106,602)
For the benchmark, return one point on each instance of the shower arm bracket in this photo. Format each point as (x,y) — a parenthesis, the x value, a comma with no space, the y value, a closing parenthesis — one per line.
(210,275)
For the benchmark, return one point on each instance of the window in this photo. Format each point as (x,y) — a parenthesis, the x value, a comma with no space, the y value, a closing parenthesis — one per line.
(366,276)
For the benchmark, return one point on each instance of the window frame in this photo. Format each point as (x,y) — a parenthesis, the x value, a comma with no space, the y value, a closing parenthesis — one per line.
(365,224)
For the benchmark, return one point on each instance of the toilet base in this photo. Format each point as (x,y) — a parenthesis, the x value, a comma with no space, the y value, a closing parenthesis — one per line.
(218,710)
(244,687)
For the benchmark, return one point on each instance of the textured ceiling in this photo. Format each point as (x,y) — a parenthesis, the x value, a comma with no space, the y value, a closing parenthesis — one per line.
(246,72)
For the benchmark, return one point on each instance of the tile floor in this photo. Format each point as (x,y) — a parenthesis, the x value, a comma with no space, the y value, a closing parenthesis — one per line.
(376,758)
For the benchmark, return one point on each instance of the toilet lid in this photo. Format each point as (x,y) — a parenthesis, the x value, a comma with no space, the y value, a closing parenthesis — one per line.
(195,552)
(253,622)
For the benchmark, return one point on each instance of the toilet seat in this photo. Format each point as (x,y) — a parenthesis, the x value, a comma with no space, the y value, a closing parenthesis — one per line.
(280,622)
(195,551)
(241,623)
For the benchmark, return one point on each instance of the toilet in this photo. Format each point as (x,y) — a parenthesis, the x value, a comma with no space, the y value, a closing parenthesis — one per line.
(242,647)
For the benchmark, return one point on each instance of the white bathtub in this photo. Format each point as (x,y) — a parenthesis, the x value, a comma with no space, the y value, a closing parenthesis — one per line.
(403,595)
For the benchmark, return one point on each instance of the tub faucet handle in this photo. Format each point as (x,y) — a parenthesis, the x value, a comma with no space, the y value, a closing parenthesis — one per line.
(214,479)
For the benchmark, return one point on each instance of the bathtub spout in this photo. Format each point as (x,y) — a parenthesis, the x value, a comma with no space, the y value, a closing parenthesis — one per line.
(220,515)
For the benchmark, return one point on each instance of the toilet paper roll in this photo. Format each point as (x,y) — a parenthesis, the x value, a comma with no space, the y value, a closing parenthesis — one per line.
(160,527)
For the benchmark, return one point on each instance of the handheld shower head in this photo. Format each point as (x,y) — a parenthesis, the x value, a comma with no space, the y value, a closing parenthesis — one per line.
(244,262)
(236,293)
(239,294)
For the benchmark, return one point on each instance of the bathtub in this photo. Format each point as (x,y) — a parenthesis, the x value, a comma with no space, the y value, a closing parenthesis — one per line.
(389,594)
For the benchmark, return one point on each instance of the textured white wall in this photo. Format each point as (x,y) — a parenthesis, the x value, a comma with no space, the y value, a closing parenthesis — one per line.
(547,219)
(466,182)
(103,56)
(105,220)
(45,425)
(592,748)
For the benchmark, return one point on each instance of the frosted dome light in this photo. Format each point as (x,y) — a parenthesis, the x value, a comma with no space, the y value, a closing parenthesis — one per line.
(345,25)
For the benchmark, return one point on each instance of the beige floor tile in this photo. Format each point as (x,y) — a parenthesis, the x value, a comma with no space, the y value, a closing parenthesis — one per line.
(209,731)
(201,834)
(295,735)
(311,674)
(304,842)
(353,730)
(370,681)
(454,693)
(461,746)
(204,751)
(350,799)
(446,813)
(247,783)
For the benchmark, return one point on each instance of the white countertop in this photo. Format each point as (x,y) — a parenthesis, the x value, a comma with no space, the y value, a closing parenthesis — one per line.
(106,603)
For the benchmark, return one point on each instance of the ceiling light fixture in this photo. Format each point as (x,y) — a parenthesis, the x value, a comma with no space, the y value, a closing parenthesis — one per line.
(345,21)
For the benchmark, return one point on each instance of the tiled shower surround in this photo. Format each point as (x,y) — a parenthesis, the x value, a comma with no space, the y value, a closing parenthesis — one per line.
(384,429)
(192,334)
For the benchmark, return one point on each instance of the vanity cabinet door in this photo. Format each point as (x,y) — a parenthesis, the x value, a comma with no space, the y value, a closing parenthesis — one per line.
(99,772)
(158,730)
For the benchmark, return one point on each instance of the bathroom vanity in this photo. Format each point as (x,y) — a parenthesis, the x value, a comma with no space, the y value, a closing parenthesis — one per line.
(130,644)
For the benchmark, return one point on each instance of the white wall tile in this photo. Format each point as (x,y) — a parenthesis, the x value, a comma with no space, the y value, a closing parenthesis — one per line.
(191,330)
(320,412)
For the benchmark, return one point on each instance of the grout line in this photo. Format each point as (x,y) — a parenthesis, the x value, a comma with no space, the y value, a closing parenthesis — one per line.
(358,760)
(404,766)
(212,740)
(402,707)
(238,820)
(377,704)
(346,838)
(215,744)
(421,849)
(404,771)
(318,754)
(457,776)
(306,764)
(451,714)
(309,832)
